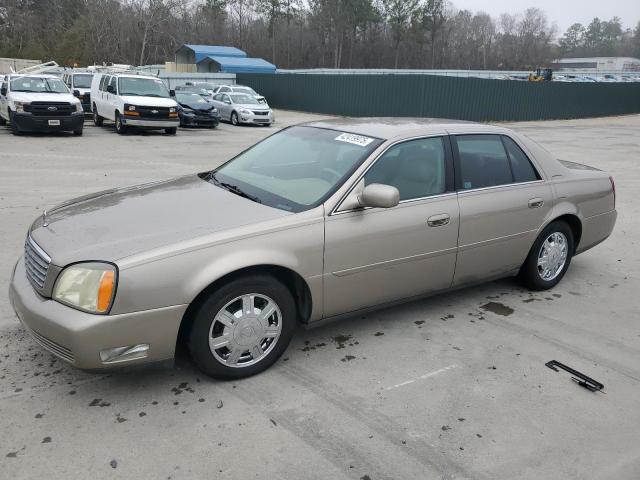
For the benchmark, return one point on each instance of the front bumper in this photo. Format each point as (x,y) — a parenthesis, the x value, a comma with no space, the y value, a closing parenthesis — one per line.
(199,120)
(142,123)
(78,337)
(36,123)
(252,118)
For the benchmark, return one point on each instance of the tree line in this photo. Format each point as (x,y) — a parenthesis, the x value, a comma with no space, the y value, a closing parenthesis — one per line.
(302,33)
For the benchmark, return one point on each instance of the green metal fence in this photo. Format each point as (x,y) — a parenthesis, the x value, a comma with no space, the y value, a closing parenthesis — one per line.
(443,97)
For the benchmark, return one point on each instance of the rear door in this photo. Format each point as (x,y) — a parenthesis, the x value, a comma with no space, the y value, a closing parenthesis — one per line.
(503,202)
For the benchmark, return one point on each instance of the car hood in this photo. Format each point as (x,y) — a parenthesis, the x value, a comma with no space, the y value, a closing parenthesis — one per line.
(198,106)
(42,97)
(149,101)
(260,108)
(118,223)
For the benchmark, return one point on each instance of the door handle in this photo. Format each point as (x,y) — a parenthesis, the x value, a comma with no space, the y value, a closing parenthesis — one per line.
(439,220)
(536,203)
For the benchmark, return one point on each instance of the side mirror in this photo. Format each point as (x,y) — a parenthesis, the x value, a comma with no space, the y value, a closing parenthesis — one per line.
(172,93)
(3,91)
(378,195)
(110,89)
(375,195)
(76,93)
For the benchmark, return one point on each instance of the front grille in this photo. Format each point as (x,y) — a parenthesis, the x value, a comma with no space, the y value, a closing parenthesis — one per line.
(53,347)
(260,113)
(36,262)
(49,109)
(153,112)
(203,113)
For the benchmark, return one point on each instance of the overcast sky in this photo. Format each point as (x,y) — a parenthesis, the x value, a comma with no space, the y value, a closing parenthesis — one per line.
(562,12)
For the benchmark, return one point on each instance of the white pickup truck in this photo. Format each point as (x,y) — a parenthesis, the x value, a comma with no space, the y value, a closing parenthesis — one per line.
(133,101)
(39,102)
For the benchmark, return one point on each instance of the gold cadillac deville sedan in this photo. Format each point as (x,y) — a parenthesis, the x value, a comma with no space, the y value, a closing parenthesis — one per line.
(316,222)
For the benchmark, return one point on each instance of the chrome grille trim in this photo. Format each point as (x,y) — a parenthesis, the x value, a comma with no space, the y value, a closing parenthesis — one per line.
(55,348)
(36,262)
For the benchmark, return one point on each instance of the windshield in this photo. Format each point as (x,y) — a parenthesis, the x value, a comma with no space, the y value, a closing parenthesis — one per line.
(295,169)
(244,99)
(82,81)
(190,98)
(38,85)
(142,87)
(247,90)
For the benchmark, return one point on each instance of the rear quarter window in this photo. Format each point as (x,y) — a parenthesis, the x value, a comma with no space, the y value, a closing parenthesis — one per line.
(523,170)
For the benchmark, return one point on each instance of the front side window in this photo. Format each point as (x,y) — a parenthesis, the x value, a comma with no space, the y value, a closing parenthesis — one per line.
(416,168)
(38,85)
(295,169)
(483,161)
(142,87)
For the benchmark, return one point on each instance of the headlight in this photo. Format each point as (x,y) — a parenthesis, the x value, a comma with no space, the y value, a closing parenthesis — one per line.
(172,110)
(214,110)
(87,286)
(20,106)
(79,107)
(131,108)
(244,111)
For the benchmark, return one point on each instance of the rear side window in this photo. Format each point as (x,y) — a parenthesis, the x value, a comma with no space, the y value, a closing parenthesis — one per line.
(483,161)
(523,171)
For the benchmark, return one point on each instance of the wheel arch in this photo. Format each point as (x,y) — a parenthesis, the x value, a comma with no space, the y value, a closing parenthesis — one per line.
(297,285)
(575,224)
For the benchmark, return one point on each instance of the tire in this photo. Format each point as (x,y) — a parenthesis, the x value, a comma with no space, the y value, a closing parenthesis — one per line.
(245,332)
(3,122)
(556,241)
(78,133)
(120,128)
(234,119)
(171,131)
(14,126)
(97,119)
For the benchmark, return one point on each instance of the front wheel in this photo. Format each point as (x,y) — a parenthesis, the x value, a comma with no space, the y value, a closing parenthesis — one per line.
(120,128)
(549,258)
(170,131)
(234,119)
(243,327)
(78,133)
(14,125)
(3,122)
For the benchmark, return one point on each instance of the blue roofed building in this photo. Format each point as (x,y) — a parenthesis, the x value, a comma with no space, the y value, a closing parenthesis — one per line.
(215,64)
(192,54)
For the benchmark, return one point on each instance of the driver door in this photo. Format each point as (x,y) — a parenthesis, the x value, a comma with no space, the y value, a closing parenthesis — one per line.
(379,255)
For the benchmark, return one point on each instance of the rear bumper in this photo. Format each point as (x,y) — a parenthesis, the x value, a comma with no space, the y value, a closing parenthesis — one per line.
(35,123)
(78,337)
(596,229)
(141,123)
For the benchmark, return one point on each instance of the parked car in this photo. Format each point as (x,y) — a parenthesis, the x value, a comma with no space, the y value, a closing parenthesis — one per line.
(240,89)
(316,222)
(239,108)
(79,82)
(133,102)
(206,86)
(196,111)
(39,103)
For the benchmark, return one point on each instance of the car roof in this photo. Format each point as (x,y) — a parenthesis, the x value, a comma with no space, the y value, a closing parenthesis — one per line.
(388,128)
(33,75)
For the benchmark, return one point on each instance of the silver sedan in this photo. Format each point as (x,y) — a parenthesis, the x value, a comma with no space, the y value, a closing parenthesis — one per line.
(239,108)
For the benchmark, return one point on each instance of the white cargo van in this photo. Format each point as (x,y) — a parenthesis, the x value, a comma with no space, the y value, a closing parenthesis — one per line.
(133,101)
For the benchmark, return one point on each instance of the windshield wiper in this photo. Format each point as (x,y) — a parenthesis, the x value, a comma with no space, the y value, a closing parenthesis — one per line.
(234,189)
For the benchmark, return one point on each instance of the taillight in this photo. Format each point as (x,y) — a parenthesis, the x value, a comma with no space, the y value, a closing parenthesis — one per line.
(613,189)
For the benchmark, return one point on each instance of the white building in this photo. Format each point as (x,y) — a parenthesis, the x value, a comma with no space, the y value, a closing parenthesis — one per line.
(597,64)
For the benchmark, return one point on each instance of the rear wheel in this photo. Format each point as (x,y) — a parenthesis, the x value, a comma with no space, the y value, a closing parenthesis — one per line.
(97,119)
(549,258)
(243,327)
(120,128)
(234,118)
(170,131)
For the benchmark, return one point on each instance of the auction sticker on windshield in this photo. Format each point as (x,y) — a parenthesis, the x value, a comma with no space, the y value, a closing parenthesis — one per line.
(354,139)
